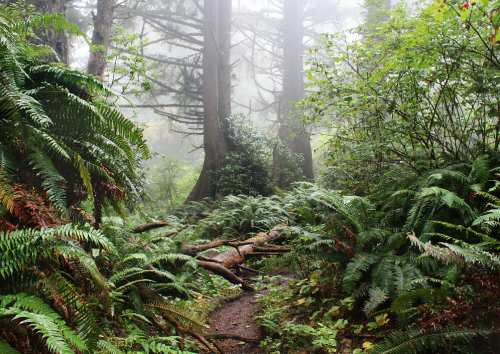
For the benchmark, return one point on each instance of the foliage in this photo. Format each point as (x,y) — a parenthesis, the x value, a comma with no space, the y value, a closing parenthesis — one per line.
(69,152)
(129,69)
(249,169)
(409,90)
(170,183)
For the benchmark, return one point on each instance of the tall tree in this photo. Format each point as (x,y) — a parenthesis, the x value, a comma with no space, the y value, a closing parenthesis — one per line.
(277,38)
(103,24)
(216,94)
(291,129)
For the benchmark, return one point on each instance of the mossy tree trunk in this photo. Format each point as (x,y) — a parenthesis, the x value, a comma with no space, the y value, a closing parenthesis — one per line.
(103,25)
(216,94)
(59,43)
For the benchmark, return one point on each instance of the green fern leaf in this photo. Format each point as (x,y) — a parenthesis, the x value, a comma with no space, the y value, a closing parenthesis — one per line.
(377,297)
(7,349)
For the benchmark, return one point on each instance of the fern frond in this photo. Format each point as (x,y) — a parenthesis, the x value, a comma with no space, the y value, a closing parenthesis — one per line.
(52,181)
(108,348)
(179,314)
(58,337)
(399,303)
(414,341)
(355,268)
(7,349)
(7,197)
(377,297)
(481,169)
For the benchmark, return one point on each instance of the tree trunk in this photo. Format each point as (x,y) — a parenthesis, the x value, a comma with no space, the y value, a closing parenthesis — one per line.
(214,138)
(291,129)
(49,37)
(224,64)
(103,24)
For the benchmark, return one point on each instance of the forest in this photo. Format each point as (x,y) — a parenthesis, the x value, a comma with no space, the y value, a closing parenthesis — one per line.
(266,177)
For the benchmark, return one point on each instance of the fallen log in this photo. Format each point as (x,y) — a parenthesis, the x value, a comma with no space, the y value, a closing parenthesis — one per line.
(225,273)
(230,259)
(272,249)
(147,227)
(221,264)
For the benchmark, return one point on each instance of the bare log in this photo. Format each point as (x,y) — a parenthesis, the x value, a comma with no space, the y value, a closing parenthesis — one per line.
(225,273)
(146,227)
(272,249)
(259,254)
(230,259)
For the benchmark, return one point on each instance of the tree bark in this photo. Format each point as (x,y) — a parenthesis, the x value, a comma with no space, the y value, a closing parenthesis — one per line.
(103,24)
(224,65)
(291,129)
(49,37)
(214,139)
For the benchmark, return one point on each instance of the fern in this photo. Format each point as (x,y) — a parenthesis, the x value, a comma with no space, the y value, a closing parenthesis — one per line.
(179,314)
(414,341)
(7,349)
(109,348)
(377,297)
(53,182)
(58,337)
(480,169)
(355,268)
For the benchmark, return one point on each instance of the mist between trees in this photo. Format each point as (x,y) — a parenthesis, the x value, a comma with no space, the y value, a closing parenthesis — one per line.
(187,72)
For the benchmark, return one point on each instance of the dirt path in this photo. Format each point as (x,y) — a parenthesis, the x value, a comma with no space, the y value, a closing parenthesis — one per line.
(237,317)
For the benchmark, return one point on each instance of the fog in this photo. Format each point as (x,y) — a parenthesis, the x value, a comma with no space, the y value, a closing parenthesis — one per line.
(173,28)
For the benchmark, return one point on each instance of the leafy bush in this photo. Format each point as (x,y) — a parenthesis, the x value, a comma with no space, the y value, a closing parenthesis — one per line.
(248,169)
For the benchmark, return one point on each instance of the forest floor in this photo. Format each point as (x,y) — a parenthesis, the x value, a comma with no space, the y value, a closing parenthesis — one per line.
(237,317)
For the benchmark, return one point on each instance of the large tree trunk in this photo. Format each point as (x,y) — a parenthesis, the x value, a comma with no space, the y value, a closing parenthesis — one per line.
(215,141)
(224,64)
(291,129)
(49,37)
(103,24)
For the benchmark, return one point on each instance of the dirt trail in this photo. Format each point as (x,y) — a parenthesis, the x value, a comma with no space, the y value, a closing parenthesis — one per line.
(236,317)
